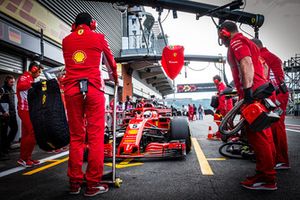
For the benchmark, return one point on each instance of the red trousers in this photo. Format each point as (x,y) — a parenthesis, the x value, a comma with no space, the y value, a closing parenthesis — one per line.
(263,146)
(217,119)
(27,139)
(279,132)
(92,111)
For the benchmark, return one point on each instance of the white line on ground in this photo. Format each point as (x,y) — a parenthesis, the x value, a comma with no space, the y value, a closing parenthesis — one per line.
(292,124)
(17,169)
(292,130)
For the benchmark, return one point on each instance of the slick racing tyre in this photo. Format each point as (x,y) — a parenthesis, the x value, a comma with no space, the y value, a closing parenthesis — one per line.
(237,150)
(48,116)
(180,130)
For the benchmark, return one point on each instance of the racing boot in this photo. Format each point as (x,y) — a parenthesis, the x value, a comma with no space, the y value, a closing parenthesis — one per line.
(75,188)
(93,189)
(259,182)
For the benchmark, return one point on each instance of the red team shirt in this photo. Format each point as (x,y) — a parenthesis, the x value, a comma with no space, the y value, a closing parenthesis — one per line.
(23,85)
(275,64)
(239,48)
(81,59)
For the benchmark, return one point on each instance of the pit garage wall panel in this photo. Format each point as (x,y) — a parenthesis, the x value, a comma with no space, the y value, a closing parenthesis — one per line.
(10,63)
(141,88)
(109,20)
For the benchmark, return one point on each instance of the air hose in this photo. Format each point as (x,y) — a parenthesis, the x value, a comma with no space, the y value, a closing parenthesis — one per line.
(259,114)
(227,126)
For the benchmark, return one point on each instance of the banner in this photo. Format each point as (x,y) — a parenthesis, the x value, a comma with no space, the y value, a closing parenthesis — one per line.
(37,17)
(197,87)
(172,60)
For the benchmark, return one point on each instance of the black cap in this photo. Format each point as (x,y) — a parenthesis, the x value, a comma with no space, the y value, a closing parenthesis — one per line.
(35,63)
(217,77)
(83,18)
(229,26)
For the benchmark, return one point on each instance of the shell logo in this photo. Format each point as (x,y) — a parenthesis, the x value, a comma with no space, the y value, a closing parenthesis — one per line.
(175,54)
(79,56)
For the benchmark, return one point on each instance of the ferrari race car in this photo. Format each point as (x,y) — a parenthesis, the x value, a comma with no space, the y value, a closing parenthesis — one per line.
(150,131)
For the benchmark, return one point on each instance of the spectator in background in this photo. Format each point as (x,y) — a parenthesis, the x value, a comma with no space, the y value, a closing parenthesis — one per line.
(183,111)
(120,106)
(174,111)
(194,112)
(190,112)
(27,139)
(128,103)
(3,156)
(9,117)
(200,112)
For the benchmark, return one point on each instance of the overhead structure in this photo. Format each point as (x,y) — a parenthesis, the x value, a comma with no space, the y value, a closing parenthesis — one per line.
(226,12)
(142,40)
(292,78)
(149,69)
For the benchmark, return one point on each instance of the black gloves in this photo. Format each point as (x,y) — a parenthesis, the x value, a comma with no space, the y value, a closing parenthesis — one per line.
(248,97)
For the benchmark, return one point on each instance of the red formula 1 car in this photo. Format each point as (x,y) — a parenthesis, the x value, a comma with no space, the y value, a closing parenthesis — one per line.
(150,131)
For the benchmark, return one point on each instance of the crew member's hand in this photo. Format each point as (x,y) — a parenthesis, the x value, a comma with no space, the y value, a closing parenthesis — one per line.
(248,97)
(6,114)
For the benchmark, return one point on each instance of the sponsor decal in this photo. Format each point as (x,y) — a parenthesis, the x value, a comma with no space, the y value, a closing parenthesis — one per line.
(14,35)
(79,56)
(35,16)
(133,131)
(134,126)
(197,87)
(80,31)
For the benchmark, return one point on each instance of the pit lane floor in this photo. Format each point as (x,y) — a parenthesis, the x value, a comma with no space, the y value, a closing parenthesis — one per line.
(204,174)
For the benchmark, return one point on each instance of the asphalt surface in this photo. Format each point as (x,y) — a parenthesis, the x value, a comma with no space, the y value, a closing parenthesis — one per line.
(158,179)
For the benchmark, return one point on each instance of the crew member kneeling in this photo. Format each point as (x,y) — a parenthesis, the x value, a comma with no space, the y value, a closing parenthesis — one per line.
(248,75)
(85,101)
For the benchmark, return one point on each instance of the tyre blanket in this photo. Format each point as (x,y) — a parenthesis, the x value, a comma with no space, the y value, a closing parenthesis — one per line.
(47,114)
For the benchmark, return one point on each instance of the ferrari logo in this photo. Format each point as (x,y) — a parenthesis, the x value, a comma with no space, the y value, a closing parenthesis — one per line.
(80,31)
(79,56)
(175,54)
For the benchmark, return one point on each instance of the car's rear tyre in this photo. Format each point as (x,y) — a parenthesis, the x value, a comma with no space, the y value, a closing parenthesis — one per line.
(179,130)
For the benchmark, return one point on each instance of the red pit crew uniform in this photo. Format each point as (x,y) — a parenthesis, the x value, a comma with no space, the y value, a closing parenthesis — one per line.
(225,105)
(82,53)
(262,142)
(278,128)
(28,139)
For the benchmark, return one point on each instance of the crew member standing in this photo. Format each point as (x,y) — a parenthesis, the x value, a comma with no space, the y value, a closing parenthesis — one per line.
(248,75)
(85,101)
(225,104)
(282,95)
(27,139)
